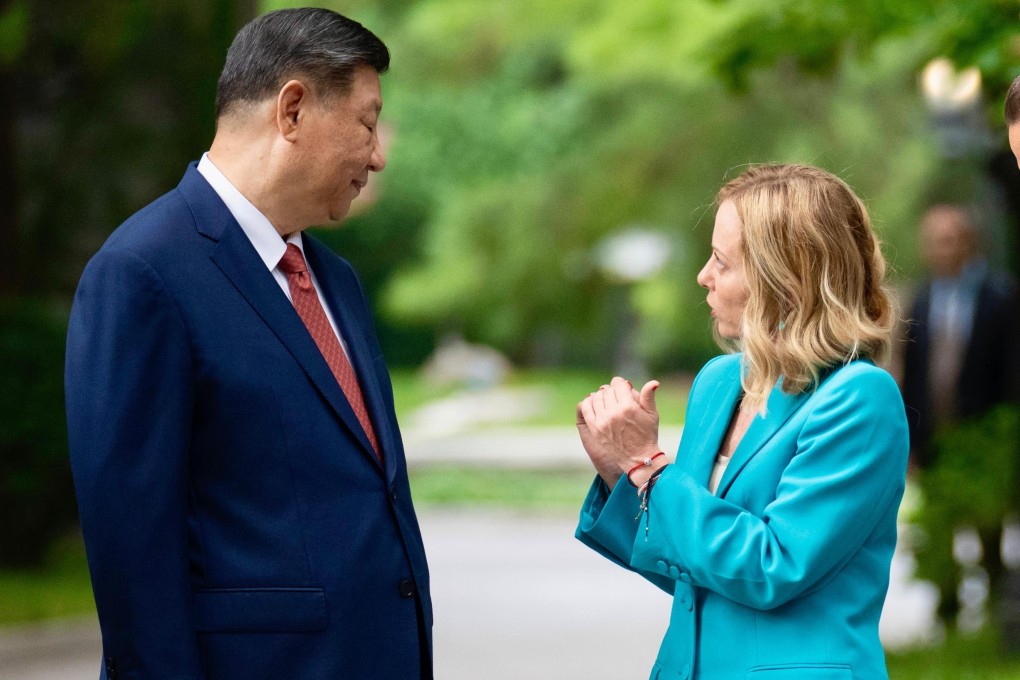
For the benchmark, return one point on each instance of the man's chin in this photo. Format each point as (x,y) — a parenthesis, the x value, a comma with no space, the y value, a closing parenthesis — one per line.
(337,216)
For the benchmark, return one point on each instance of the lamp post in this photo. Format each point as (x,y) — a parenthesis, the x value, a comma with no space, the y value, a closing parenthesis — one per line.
(954,100)
(630,255)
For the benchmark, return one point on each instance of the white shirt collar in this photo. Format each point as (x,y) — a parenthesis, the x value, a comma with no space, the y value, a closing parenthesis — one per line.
(254,224)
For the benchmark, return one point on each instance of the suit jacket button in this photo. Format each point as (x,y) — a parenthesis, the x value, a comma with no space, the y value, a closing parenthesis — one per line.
(111,668)
(393,492)
(406,588)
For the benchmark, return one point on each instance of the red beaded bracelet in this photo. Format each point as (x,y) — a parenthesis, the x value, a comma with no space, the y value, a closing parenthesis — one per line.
(645,463)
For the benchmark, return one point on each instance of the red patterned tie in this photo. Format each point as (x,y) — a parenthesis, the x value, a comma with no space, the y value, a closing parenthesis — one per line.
(306,302)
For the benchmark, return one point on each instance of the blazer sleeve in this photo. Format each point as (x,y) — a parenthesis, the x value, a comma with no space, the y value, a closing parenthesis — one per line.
(846,475)
(129,410)
(609,524)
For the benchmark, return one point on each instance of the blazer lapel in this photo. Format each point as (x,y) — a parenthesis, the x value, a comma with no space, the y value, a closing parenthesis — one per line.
(703,436)
(240,263)
(779,409)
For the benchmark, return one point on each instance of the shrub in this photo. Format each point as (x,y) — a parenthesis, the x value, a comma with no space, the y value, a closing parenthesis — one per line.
(36,494)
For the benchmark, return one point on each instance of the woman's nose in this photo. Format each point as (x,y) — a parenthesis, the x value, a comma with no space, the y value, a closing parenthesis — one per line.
(703,277)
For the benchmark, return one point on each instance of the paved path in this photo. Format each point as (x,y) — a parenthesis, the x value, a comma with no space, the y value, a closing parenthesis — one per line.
(521,447)
(515,597)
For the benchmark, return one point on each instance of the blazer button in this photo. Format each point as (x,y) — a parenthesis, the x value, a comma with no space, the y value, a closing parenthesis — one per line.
(406,588)
(111,668)
(393,493)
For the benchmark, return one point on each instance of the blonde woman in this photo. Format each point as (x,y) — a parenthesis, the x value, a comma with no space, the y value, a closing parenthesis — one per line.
(774,528)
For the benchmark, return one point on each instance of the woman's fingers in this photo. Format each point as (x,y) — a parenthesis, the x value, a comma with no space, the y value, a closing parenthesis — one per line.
(623,391)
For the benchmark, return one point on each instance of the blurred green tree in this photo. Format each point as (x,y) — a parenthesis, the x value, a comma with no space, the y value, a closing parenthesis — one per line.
(102,103)
(817,38)
(531,130)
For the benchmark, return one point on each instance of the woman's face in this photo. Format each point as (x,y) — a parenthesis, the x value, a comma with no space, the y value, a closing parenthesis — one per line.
(723,274)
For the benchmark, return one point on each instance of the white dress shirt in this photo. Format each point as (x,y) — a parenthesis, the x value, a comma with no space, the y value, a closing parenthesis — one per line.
(263,236)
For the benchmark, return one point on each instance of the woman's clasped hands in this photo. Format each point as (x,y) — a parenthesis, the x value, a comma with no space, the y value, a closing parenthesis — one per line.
(619,428)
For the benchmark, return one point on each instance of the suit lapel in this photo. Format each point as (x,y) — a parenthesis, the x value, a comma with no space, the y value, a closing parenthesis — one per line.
(237,258)
(780,407)
(338,294)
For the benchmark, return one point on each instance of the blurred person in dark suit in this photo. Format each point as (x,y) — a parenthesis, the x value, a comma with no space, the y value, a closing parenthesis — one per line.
(961,355)
(241,479)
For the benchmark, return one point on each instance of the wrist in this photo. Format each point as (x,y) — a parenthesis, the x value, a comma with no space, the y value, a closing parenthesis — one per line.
(640,472)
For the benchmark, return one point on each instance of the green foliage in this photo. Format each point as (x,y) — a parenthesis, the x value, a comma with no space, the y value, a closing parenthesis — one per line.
(817,36)
(458,486)
(114,99)
(974,482)
(13,30)
(36,495)
(529,132)
(58,587)
(526,132)
(959,657)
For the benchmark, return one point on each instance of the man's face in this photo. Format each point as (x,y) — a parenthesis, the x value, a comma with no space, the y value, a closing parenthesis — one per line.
(340,147)
(945,241)
(1014,141)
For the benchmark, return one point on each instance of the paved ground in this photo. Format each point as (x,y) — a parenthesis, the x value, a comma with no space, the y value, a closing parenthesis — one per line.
(515,595)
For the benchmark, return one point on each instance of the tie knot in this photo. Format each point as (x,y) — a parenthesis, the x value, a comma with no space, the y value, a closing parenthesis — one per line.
(292,262)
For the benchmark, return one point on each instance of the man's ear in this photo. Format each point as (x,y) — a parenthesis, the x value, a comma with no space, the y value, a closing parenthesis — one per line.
(291,102)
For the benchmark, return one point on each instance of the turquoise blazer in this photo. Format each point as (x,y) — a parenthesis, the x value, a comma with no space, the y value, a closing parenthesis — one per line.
(781,575)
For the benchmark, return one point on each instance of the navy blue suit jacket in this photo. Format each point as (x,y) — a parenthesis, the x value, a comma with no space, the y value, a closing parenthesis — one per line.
(236,520)
(990,372)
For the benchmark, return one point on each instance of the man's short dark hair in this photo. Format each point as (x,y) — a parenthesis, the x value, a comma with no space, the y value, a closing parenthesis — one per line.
(1013,103)
(311,43)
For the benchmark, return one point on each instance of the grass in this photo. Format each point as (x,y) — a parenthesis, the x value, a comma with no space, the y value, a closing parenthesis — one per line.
(61,588)
(452,486)
(959,657)
(565,388)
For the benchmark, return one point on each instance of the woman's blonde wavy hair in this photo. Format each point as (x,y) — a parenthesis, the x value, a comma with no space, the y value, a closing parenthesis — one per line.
(815,277)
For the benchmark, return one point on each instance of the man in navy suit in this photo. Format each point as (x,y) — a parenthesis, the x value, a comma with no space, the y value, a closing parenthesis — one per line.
(240,475)
(960,362)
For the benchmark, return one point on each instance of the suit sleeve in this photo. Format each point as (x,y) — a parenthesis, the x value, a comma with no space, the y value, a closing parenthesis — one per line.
(129,409)
(846,476)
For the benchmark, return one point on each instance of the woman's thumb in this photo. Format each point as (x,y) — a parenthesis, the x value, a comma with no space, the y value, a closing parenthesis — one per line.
(647,398)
